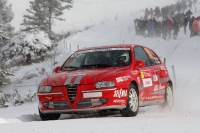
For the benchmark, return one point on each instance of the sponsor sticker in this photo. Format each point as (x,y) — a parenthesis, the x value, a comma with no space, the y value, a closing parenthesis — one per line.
(153,97)
(161,87)
(146,74)
(120,93)
(119,79)
(98,49)
(138,79)
(147,82)
(156,88)
(93,94)
(134,72)
(155,78)
(142,75)
(122,79)
(119,101)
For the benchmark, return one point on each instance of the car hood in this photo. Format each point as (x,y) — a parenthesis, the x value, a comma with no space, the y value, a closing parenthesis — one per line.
(82,76)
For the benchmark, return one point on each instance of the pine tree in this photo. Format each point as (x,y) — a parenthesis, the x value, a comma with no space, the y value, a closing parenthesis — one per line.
(37,17)
(55,9)
(42,13)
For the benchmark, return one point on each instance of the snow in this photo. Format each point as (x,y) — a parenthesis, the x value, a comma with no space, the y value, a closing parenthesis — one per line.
(23,43)
(182,53)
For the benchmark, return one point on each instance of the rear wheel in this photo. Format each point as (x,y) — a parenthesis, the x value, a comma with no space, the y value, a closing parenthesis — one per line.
(51,116)
(169,98)
(132,107)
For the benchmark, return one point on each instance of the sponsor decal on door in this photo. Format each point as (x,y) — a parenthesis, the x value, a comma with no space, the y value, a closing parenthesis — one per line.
(145,74)
(147,82)
(155,78)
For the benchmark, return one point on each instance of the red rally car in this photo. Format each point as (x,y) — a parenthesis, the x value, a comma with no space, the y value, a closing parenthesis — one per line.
(97,79)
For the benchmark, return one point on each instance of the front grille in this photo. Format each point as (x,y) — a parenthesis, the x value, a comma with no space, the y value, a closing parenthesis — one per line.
(90,103)
(84,104)
(72,92)
(58,105)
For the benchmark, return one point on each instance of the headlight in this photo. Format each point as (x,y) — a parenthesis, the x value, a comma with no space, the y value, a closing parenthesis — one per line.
(45,89)
(104,84)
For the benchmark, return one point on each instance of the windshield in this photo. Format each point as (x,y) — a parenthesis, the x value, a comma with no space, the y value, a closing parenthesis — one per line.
(108,57)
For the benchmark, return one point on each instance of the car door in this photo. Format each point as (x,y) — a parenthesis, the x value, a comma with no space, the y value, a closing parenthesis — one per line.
(160,76)
(146,88)
(156,63)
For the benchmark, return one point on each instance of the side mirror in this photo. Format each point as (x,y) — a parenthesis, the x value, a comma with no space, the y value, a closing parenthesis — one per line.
(140,63)
(57,69)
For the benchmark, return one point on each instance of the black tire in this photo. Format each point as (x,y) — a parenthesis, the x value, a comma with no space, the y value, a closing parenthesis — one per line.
(132,106)
(169,98)
(46,117)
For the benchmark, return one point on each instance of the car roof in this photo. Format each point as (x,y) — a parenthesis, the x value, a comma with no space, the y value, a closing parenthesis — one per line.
(109,46)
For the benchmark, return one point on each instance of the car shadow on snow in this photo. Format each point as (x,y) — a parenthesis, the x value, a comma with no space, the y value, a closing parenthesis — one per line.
(91,115)
(36,117)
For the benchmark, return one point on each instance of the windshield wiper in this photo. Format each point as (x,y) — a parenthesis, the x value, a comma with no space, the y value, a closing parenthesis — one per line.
(95,65)
(71,67)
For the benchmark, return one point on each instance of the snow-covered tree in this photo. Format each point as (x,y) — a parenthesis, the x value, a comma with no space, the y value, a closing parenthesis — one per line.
(6,15)
(27,47)
(42,13)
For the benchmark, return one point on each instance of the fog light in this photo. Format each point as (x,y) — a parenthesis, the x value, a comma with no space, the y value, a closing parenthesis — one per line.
(51,105)
(46,105)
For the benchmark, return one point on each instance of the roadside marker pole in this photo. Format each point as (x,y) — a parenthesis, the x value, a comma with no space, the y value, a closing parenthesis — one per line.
(174,75)
(164,61)
(70,47)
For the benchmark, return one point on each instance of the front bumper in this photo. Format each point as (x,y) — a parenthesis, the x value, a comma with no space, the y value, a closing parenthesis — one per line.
(86,110)
(61,100)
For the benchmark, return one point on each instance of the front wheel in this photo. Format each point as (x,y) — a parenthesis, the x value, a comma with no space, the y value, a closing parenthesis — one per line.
(51,116)
(132,107)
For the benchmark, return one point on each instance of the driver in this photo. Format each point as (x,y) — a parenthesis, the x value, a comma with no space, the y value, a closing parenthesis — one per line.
(121,60)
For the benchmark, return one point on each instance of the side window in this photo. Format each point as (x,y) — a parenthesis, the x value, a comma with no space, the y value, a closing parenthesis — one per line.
(153,57)
(140,54)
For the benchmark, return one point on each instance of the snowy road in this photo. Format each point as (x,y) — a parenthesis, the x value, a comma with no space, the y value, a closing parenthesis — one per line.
(150,121)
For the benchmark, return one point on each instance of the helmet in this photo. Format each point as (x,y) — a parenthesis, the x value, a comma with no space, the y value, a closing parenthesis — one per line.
(126,57)
(123,59)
